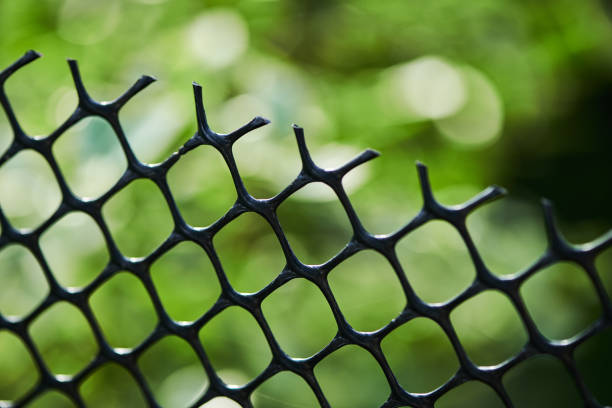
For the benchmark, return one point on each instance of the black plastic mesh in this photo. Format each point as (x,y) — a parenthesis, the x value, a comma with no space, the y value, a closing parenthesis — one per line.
(558,250)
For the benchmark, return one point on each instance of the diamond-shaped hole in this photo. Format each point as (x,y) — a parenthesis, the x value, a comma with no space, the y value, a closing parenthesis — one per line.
(156,122)
(367,290)
(111,386)
(37,94)
(75,250)
(236,346)
(64,339)
(124,311)
(506,236)
(52,399)
(285,389)
(541,381)
(174,372)
(202,186)
(18,374)
(249,252)
(331,156)
(436,261)
(594,359)
(561,300)
(470,394)
(603,263)
(262,177)
(185,281)
(29,193)
(420,355)
(380,205)
(221,402)
(489,328)
(300,318)
(90,157)
(22,283)
(317,228)
(352,368)
(138,218)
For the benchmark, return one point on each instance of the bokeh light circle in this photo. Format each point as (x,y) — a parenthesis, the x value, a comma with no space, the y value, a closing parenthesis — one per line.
(218,37)
(430,87)
(480,120)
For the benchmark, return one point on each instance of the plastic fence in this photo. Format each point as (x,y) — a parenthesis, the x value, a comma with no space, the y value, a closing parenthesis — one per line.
(558,250)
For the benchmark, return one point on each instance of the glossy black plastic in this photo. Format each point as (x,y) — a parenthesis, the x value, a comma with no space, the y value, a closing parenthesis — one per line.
(558,250)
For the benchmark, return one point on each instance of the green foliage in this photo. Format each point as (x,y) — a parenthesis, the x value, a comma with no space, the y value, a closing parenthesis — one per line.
(515,93)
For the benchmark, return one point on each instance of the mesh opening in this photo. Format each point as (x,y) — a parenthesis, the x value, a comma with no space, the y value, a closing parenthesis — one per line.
(196,372)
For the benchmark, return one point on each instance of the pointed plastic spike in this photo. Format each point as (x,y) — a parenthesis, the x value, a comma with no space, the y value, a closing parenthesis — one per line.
(421,167)
(298,130)
(138,86)
(362,158)
(549,220)
(259,121)
(602,243)
(78,81)
(487,195)
(200,112)
(25,59)
(598,245)
(148,78)
(428,197)
(31,55)
(303,149)
(367,155)
(253,124)
(499,190)
(143,82)
(555,238)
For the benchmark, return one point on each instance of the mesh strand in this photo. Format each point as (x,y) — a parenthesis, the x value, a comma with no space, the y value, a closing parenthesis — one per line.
(558,250)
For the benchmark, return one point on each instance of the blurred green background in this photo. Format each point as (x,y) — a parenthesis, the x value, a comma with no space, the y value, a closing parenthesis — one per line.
(515,93)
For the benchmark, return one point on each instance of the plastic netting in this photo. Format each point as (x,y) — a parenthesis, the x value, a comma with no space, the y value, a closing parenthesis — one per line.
(558,250)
